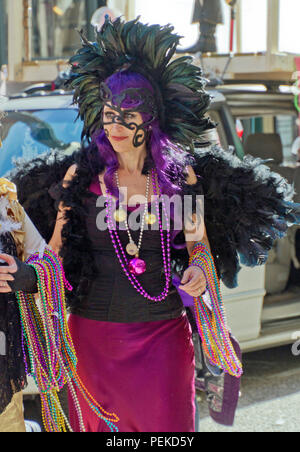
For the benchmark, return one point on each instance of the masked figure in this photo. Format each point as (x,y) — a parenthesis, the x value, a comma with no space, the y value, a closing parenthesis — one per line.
(132,264)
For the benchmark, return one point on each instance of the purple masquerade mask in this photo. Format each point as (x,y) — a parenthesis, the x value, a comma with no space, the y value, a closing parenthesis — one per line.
(128,101)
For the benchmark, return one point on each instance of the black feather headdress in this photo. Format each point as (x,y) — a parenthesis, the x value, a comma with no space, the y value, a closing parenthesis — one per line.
(148,50)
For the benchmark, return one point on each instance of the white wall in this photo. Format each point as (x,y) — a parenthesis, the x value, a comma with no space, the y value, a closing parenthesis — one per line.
(253,25)
(122,7)
(179,13)
(289,26)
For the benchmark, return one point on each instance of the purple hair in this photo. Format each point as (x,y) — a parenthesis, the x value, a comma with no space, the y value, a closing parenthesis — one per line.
(169,159)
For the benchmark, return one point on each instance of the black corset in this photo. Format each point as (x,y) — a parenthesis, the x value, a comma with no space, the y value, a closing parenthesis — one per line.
(111,297)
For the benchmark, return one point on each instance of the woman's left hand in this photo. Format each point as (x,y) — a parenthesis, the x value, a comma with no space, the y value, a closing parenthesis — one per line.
(6,272)
(193,281)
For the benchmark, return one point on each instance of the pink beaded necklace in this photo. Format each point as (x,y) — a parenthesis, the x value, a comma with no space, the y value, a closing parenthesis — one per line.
(166,250)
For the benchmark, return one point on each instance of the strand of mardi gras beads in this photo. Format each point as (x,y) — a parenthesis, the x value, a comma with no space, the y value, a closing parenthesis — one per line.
(166,253)
(32,321)
(50,401)
(51,353)
(212,325)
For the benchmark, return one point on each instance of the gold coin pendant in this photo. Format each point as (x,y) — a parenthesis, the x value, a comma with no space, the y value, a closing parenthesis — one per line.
(132,249)
(119,215)
(150,218)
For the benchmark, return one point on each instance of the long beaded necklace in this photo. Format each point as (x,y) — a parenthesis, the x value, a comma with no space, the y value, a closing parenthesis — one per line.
(166,250)
(136,265)
(50,348)
(212,324)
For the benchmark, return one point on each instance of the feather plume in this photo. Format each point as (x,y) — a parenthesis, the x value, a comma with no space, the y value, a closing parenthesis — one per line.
(149,50)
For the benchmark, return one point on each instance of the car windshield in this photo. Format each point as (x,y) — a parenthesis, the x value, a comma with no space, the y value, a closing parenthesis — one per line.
(28,134)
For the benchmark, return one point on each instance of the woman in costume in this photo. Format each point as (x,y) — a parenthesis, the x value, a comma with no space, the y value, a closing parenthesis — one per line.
(18,239)
(131,307)
(142,115)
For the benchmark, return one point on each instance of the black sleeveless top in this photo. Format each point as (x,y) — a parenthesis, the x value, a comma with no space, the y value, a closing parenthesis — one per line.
(111,297)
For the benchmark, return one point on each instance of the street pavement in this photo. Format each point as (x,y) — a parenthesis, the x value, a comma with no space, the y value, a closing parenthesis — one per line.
(270,395)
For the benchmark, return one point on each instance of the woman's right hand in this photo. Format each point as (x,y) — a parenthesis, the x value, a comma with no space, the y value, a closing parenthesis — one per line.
(6,272)
(17,276)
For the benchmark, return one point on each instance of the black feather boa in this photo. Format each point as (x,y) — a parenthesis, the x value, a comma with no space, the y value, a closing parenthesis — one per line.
(33,181)
(40,190)
(247,207)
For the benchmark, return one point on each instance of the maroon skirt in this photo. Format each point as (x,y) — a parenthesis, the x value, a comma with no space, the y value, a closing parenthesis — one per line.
(144,372)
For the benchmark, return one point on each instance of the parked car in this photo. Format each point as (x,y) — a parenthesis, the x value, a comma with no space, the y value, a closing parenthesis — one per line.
(268,121)
(33,125)
(36,122)
(268,107)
